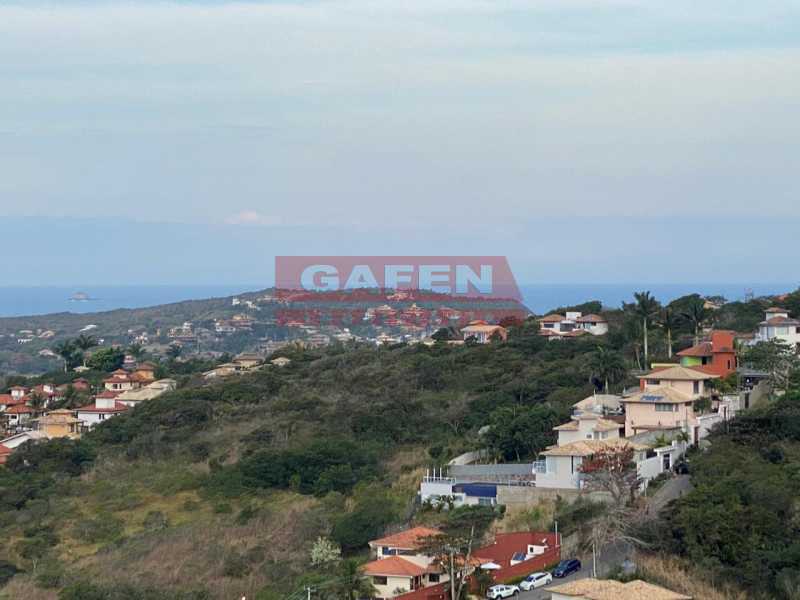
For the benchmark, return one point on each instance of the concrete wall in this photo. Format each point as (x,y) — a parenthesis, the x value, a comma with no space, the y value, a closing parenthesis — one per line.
(526,496)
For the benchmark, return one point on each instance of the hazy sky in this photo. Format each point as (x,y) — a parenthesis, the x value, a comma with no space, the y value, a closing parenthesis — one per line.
(466,115)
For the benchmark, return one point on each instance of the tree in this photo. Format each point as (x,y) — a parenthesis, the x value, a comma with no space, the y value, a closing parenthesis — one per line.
(612,469)
(668,321)
(85,342)
(696,313)
(774,357)
(325,552)
(644,308)
(68,351)
(606,366)
(136,351)
(350,583)
(107,359)
(174,351)
(452,548)
(516,433)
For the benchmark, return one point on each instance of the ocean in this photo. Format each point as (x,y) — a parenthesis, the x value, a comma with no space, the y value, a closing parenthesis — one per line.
(20,301)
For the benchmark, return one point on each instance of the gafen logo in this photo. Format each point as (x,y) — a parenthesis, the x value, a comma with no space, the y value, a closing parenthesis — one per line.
(461,276)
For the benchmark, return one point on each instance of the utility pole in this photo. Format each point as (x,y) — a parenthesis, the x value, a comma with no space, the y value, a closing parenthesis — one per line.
(452,577)
(594,560)
(309,589)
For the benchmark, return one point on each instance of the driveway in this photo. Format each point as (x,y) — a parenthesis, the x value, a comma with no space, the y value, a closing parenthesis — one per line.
(672,489)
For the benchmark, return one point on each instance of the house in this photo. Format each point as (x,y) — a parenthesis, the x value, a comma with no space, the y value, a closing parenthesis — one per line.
(483,332)
(18,416)
(281,361)
(248,360)
(145,371)
(510,549)
(18,392)
(398,575)
(102,409)
(15,441)
(444,491)
(610,589)
(587,426)
(717,355)
(660,409)
(59,423)
(561,466)
(602,404)
(777,325)
(148,392)
(690,381)
(571,324)
(399,566)
(120,381)
(594,324)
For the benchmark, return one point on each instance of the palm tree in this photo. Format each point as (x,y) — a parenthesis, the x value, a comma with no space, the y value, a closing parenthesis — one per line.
(350,583)
(668,321)
(607,366)
(136,350)
(85,342)
(66,350)
(644,308)
(696,313)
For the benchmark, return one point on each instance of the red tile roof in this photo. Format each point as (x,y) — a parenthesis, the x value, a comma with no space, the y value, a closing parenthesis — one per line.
(407,540)
(552,319)
(394,565)
(93,408)
(108,394)
(507,544)
(19,409)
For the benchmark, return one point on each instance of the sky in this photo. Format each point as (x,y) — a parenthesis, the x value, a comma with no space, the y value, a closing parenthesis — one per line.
(614,139)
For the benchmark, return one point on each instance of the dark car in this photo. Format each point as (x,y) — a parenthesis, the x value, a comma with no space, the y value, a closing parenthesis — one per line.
(682,467)
(565,567)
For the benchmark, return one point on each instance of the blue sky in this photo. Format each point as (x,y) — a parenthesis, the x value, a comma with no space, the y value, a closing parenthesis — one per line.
(475,126)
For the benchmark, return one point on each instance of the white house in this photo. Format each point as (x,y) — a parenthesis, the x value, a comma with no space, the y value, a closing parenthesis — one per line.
(561,467)
(102,409)
(594,324)
(779,326)
(587,426)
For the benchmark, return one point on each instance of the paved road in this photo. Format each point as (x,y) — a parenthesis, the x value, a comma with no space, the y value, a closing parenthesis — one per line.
(613,555)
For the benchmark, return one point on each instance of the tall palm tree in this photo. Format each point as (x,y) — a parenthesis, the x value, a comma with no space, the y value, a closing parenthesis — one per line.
(644,308)
(66,350)
(668,320)
(351,583)
(696,313)
(607,366)
(85,342)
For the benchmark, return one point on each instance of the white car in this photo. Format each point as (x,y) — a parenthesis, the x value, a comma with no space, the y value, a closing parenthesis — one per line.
(535,580)
(502,591)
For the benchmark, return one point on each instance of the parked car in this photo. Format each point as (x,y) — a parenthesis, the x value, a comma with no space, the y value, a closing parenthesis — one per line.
(565,567)
(535,580)
(502,591)
(682,467)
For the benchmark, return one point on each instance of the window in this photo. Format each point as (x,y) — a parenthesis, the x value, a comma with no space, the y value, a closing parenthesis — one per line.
(433,577)
(666,407)
(653,382)
(379,580)
(696,387)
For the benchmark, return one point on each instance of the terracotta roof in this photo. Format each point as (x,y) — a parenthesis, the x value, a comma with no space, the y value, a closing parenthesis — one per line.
(552,318)
(571,426)
(108,394)
(609,589)
(117,380)
(780,321)
(407,540)
(659,394)
(589,447)
(93,408)
(702,349)
(394,565)
(678,373)
(19,409)
(591,318)
(5,450)
(482,328)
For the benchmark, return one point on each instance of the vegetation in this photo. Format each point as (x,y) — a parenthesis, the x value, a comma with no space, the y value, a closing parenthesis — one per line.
(741,522)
